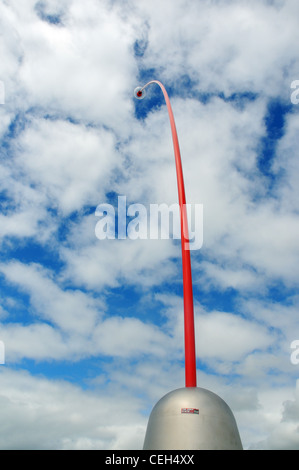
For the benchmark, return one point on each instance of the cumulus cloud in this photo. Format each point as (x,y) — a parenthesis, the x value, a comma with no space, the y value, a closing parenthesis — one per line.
(65,426)
(67,72)
(232,47)
(70,324)
(67,162)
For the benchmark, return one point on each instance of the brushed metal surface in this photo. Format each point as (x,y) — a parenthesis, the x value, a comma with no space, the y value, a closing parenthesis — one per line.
(192,418)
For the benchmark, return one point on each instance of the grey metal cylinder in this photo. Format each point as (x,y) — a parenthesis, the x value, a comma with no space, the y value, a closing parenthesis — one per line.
(192,419)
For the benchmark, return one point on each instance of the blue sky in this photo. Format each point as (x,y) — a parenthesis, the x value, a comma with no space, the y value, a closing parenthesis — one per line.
(93,329)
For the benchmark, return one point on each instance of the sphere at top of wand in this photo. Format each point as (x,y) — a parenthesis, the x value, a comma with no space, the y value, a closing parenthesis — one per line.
(139,93)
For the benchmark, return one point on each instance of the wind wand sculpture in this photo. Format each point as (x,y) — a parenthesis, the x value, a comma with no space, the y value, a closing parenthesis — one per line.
(190,417)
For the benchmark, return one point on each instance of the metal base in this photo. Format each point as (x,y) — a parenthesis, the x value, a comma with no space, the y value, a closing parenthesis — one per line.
(192,419)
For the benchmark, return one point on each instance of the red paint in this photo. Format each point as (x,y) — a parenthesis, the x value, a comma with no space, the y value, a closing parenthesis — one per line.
(190,355)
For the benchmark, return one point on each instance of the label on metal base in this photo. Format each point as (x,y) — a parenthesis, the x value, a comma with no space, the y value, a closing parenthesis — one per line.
(192,411)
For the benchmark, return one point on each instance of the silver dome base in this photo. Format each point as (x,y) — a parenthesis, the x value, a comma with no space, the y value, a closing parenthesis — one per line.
(192,419)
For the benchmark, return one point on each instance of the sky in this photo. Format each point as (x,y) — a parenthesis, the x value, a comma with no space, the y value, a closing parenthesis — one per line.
(92,330)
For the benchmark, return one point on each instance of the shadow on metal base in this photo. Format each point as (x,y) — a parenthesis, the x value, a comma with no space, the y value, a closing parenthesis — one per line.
(192,419)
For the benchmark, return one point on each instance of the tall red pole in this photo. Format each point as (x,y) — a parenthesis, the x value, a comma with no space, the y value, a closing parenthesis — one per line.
(190,354)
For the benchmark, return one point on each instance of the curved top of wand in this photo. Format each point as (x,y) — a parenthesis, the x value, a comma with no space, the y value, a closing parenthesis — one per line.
(189,331)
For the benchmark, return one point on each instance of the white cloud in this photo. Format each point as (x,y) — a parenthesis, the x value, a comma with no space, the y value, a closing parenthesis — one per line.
(93,263)
(69,72)
(69,310)
(38,413)
(69,163)
(229,337)
(70,324)
(232,47)
(280,423)
(221,337)
(24,211)
(37,341)
(223,277)
(278,315)
(287,162)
